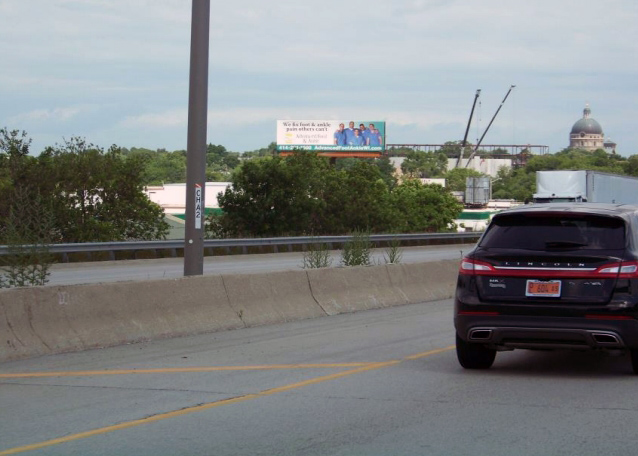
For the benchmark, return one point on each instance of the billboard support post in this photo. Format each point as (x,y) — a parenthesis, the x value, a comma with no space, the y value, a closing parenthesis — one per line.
(196,144)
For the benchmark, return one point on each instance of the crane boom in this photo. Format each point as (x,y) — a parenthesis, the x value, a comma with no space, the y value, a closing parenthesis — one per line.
(467,129)
(469,159)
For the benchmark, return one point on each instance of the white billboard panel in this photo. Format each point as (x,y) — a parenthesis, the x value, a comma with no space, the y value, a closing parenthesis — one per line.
(330,135)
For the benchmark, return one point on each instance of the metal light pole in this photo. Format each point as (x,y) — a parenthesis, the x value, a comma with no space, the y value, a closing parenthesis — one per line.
(196,145)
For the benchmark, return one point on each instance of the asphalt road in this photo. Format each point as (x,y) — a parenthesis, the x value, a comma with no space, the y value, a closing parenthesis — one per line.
(382,382)
(117,271)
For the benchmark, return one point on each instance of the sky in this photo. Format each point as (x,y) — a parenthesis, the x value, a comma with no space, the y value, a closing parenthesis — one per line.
(117,71)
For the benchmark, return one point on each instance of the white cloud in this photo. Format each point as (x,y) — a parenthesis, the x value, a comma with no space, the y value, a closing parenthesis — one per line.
(167,119)
(51,115)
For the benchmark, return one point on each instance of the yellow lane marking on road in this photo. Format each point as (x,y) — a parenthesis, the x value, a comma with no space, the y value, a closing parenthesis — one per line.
(178,370)
(199,408)
(429,353)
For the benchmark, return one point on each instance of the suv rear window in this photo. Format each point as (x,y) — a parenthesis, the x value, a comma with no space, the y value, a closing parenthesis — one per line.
(555,232)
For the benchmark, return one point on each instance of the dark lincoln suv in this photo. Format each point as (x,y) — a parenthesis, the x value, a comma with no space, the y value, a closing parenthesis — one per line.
(550,276)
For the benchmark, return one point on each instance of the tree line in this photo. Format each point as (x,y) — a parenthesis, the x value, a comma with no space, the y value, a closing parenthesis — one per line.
(162,166)
(79,192)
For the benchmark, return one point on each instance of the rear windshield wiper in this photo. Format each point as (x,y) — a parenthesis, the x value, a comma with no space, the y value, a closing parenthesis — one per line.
(564,244)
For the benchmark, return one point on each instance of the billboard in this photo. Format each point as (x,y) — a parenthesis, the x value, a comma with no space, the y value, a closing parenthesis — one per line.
(331,135)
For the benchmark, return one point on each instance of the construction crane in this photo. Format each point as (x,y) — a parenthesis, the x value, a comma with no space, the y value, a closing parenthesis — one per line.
(467,129)
(469,159)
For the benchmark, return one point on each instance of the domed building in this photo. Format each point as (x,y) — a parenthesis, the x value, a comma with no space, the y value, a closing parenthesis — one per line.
(586,133)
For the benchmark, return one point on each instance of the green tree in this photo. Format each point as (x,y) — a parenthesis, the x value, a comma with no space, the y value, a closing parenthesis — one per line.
(28,233)
(163,167)
(16,170)
(98,196)
(424,164)
(423,208)
(511,183)
(631,166)
(356,199)
(26,219)
(268,151)
(303,194)
(93,195)
(219,157)
(455,179)
(275,196)
(399,151)
(388,171)
(383,163)
(598,160)
(452,149)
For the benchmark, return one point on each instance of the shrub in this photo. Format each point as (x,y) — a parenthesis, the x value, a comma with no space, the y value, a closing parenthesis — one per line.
(356,252)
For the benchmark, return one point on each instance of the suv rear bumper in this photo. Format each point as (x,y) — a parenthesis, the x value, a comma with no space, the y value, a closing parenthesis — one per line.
(548,333)
(579,339)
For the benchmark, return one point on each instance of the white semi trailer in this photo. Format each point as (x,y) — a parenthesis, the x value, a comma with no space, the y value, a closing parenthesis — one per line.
(585,186)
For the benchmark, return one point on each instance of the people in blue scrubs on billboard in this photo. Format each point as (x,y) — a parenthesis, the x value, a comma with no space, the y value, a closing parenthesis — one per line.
(375,139)
(366,132)
(357,139)
(349,133)
(372,136)
(340,136)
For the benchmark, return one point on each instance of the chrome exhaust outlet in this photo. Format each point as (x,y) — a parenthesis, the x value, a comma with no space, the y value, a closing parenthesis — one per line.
(480,334)
(606,339)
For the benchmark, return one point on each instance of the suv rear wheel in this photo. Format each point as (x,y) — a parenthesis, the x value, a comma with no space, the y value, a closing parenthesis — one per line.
(476,356)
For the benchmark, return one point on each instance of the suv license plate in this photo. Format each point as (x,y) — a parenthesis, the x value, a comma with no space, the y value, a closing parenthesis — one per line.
(543,288)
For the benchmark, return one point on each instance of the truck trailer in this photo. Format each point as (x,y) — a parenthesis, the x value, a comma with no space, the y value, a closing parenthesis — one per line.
(585,186)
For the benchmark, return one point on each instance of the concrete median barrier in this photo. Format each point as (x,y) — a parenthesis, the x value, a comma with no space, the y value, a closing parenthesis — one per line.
(56,319)
(268,298)
(420,282)
(135,311)
(339,290)
(18,337)
(48,320)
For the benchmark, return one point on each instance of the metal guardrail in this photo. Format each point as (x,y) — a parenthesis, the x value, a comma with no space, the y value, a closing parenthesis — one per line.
(173,246)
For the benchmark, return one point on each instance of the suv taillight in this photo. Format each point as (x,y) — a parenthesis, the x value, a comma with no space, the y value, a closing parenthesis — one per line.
(470,266)
(624,270)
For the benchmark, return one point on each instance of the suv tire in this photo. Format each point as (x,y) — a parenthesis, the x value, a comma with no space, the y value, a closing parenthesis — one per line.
(476,356)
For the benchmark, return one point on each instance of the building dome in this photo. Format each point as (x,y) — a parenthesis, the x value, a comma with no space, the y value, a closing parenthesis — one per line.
(587,125)
(586,134)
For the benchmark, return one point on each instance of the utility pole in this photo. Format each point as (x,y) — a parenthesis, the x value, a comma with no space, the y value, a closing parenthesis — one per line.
(196,145)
